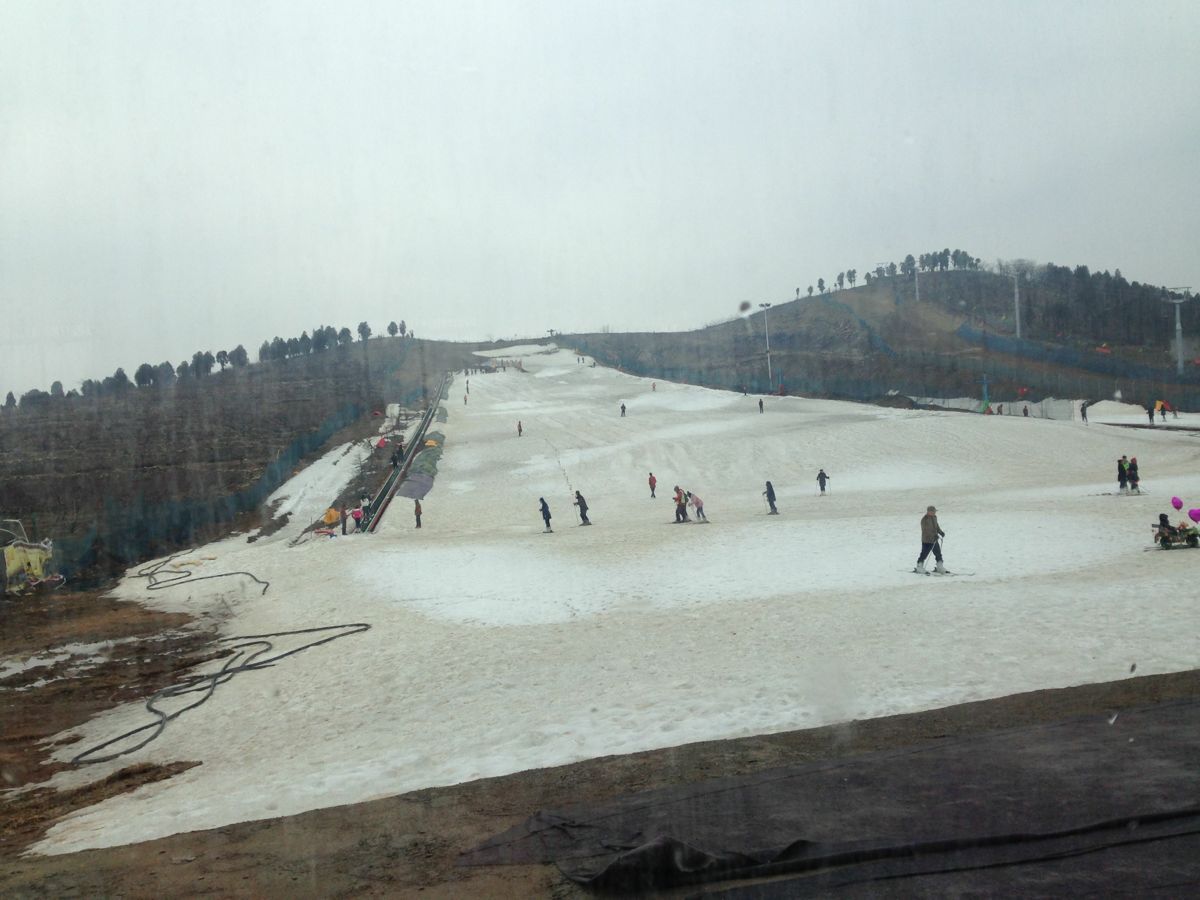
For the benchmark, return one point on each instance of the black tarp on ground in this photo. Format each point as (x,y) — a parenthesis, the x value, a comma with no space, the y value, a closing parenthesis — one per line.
(1033,809)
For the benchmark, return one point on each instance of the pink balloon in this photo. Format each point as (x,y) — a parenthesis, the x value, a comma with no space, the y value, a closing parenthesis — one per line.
(1194,515)
(1177,503)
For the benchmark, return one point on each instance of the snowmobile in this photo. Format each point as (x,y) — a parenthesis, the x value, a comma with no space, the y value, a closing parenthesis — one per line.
(1170,536)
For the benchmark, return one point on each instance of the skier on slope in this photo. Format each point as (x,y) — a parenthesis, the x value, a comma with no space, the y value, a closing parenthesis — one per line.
(653,481)
(583,508)
(520,428)
(1122,475)
(545,512)
(1134,477)
(622,410)
(930,532)
(681,515)
(821,479)
(698,505)
(769,493)
(417,511)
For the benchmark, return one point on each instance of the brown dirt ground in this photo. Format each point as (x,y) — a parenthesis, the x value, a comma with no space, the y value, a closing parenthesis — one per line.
(407,845)
(49,700)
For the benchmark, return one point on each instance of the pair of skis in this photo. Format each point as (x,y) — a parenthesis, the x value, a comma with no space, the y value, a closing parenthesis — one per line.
(932,572)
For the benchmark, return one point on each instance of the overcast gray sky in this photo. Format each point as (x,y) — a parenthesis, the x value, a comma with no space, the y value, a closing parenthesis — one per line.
(183,176)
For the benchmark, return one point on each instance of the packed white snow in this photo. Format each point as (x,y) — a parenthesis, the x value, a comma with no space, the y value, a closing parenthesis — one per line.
(495,647)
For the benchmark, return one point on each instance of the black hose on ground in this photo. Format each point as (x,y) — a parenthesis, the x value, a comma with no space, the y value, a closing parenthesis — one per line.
(158,580)
(242,659)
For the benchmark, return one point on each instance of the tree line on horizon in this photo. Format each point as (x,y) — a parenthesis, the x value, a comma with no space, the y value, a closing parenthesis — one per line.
(324,337)
(935,260)
(1058,303)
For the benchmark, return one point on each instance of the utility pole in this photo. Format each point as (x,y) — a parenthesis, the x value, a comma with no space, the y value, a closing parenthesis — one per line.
(767,325)
(1187,295)
(1017,302)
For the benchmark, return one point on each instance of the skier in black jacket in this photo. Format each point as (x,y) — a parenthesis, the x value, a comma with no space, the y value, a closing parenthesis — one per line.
(821,479)
(769,493)
(545,512)
(582,504)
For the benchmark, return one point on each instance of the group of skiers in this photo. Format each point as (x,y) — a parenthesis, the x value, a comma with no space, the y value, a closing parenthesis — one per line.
(684,499)
(544,508)
(1128,479)
(1163,406)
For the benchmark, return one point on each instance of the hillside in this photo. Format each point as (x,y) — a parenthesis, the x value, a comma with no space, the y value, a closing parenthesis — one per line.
(120,477)
(515,649)
(869,342)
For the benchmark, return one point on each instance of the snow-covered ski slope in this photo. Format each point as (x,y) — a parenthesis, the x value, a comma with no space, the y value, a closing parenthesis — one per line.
(496,648)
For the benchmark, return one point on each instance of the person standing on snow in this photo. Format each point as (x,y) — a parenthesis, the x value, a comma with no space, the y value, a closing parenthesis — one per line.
(821,479)
(1123,475)
(653,481)
(1134,477)
(769,493)
(582,504)
(698,505)
(930,532)
(1083,411)
(681,515)
(417,511)
(519,429)
(622,410)
(760,405)
(545,512)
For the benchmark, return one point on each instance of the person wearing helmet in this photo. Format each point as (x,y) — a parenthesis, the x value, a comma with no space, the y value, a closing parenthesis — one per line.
(930,532)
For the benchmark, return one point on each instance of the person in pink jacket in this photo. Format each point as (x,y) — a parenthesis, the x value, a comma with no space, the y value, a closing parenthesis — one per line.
(698,505)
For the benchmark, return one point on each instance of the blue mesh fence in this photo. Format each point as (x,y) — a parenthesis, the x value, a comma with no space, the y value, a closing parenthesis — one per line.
(132,528)
(907,373)
(1076,359)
